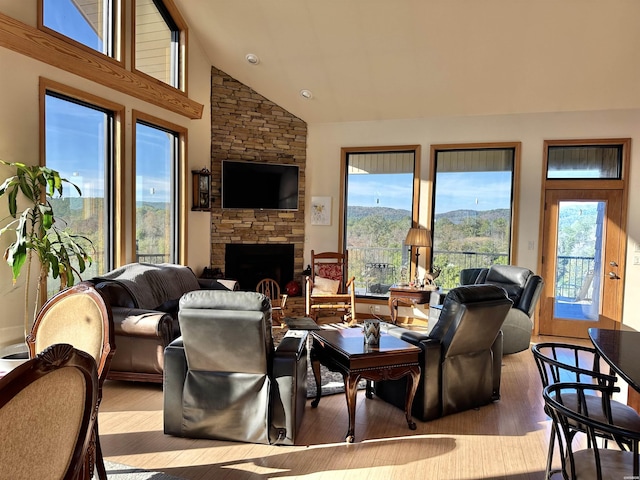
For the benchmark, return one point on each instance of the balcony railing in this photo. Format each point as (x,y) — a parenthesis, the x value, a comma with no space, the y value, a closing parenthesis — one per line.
(154,258)
(376,269)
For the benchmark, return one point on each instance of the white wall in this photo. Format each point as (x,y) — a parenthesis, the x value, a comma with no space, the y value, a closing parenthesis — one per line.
(19,140)
(326,140)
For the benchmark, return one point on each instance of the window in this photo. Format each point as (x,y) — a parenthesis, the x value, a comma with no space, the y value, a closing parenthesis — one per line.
(584,162)
(157,42)
(89,22)
(80,140)
(157,191)
(473,207)
(381,193)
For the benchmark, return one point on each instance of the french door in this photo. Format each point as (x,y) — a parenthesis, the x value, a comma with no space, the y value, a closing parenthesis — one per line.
(582,257)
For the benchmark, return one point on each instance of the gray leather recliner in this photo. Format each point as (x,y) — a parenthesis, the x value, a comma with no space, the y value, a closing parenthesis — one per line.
(461,358)
(523,287)
(224,379)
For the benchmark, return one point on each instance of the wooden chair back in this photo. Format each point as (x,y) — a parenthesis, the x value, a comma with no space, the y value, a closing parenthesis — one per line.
(331,265)
(47,414)
(79,316)
(270,289)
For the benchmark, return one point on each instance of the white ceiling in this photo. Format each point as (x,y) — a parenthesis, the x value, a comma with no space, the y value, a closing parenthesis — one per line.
(397,59)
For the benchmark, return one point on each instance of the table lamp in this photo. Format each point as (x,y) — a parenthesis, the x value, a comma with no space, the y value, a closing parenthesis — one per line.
(418,237)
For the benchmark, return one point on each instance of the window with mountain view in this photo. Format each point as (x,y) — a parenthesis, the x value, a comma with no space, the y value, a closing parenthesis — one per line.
(157,156)
(378,214)
(89,22)
(79,143)
(473,199)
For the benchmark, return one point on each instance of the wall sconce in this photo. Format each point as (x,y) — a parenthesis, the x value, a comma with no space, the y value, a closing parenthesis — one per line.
(201,190)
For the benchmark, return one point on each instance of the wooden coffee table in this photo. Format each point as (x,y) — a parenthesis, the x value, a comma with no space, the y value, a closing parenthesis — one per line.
(343,350)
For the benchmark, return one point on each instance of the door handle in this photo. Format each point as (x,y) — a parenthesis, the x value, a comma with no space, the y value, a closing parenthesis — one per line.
(613,264)
(613,275)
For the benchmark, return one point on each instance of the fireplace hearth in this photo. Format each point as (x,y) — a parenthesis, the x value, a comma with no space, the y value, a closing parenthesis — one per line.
(250,263)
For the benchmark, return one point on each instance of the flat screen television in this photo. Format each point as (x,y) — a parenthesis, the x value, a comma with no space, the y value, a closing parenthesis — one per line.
(256,185)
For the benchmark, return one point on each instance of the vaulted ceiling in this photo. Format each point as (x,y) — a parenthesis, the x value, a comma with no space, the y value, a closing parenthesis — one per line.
(402,59)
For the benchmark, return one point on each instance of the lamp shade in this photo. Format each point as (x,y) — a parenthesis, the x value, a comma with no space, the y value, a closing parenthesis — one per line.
(418,237)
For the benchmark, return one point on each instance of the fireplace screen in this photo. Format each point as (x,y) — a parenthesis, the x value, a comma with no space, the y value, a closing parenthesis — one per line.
(250,263)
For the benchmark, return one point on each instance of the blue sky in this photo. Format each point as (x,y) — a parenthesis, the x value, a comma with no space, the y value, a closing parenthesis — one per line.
(75,133)
(63,16)
(477,190)
(456,191)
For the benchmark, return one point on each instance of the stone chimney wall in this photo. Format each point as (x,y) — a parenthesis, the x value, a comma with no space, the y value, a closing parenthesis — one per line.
(247,126)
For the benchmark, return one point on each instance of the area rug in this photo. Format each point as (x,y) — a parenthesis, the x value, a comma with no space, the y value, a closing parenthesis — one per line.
(118,471)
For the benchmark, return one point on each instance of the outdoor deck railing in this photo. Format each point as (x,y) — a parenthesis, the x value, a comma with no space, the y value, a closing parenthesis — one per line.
(154,258)
(380,267)
(377,268)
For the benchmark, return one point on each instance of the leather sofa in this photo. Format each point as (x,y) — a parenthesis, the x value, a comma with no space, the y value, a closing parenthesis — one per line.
(223,377)
(523,287)
(461,357)
(144,301)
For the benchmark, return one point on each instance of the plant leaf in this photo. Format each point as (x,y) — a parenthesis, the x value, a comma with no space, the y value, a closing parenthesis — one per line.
(16,255)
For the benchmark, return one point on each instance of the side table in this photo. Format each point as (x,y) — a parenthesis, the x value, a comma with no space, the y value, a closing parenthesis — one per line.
(409,296)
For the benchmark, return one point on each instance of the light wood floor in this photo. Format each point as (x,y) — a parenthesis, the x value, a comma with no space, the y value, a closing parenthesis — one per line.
(507,439)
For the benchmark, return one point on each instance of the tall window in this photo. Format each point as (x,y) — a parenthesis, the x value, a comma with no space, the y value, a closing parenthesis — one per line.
(473,207)
(89,22)
(157,42)
(379,209)
(79,143)
(157,197)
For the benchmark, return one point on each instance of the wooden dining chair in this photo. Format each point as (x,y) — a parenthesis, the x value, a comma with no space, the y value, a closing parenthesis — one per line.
(47,412)
(270,288)
(562,362)
(80,317)
(573,411)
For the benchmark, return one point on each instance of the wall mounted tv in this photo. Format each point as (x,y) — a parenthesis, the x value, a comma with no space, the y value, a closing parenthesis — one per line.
(256,185)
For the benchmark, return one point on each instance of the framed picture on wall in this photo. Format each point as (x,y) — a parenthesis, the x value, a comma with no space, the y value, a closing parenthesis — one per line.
(320,210)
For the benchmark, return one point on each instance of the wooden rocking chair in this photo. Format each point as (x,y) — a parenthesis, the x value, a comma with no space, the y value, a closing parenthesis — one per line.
(328,291)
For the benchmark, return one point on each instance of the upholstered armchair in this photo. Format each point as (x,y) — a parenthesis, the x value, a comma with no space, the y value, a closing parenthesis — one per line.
(461,357)
(224,379)
(471,276)
(523,287)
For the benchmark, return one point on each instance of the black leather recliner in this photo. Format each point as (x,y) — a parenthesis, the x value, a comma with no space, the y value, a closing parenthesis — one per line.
(523,288)
(461,358)
(223,378)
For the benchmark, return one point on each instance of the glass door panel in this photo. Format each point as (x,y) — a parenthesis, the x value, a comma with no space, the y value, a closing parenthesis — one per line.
(581,254)
(579,260)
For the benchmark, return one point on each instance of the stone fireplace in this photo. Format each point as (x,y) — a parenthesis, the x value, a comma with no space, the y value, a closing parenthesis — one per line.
(247,126)
(250,263)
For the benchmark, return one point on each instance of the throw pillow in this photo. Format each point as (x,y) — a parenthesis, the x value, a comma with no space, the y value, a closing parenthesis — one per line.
(332,271)
(325,286)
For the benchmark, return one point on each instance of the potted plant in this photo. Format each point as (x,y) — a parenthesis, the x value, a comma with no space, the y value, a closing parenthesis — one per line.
(38,233)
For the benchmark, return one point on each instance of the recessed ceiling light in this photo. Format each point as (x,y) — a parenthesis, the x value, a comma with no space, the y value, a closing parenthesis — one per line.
(306,94)
(252,58)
